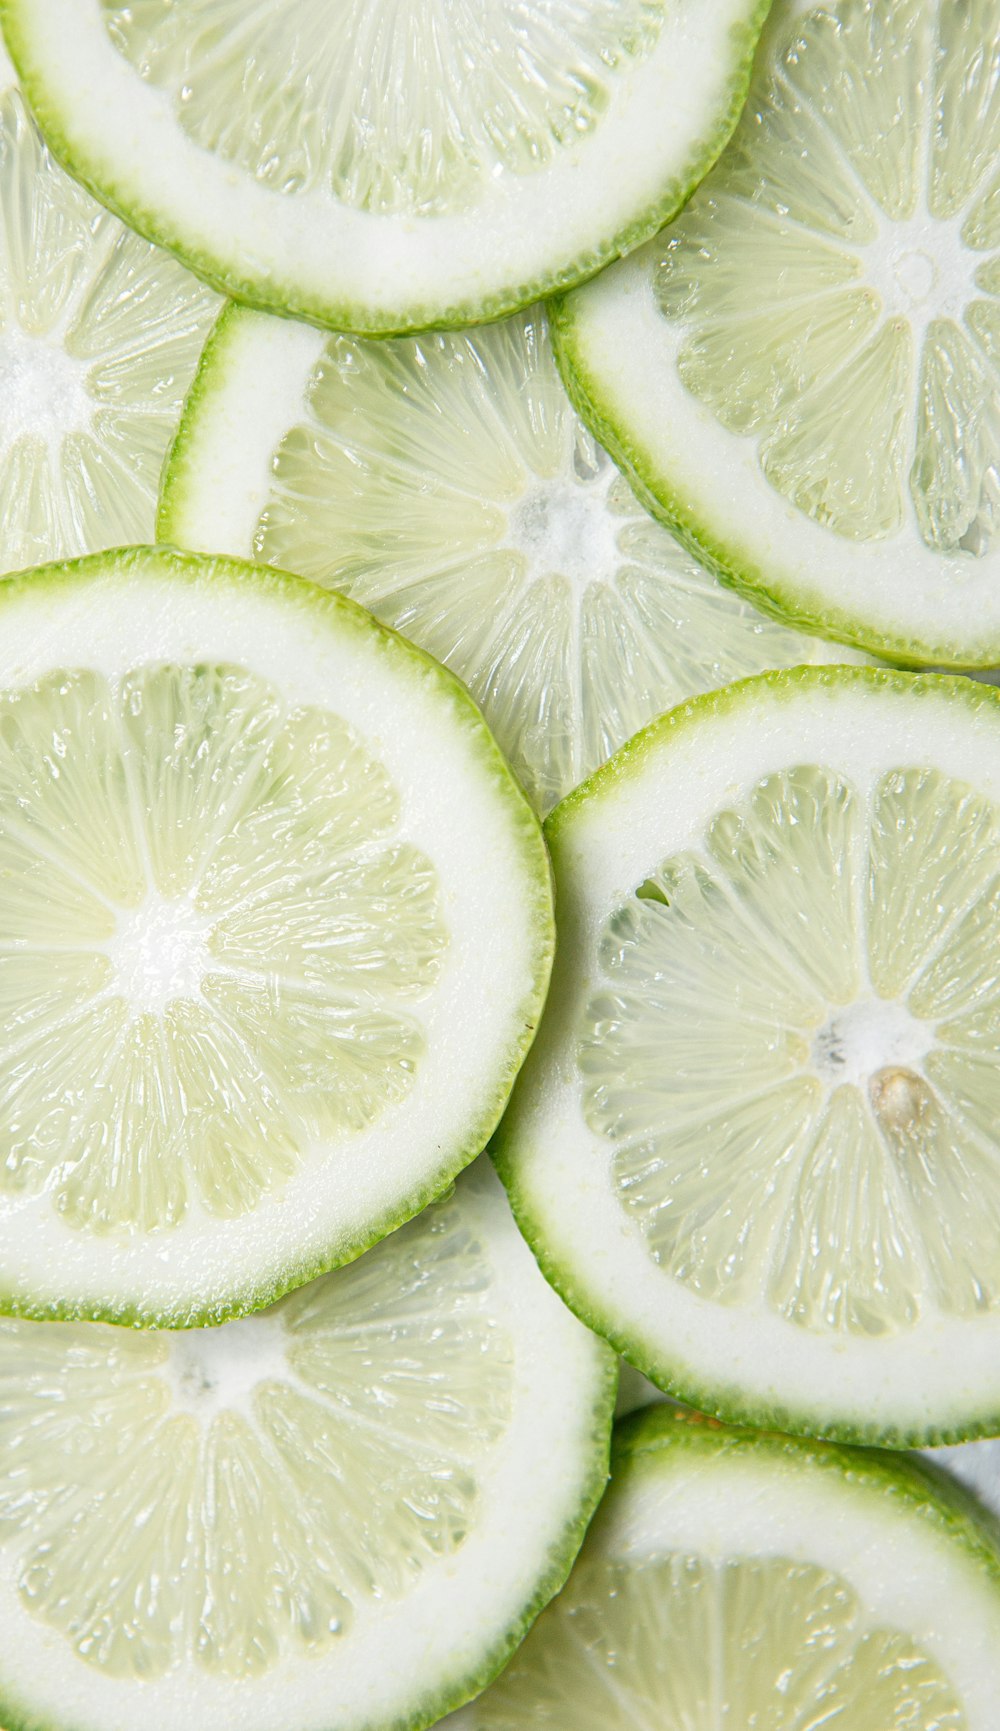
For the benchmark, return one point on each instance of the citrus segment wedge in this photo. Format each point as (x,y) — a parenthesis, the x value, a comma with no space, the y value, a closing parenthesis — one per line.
(756,1145)
(338,1513)
(748,1579)
(388,164)
(802,368)
(446,482)
(275,928)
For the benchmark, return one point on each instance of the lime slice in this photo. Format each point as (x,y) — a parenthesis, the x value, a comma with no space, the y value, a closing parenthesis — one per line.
(757,1143)
(732,1579)
(275,930)
(803,368)
(100,335)
(388,164)
(446,482)
(343,1511)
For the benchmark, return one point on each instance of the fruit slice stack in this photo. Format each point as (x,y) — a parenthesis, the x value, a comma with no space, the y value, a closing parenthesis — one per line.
(276,912)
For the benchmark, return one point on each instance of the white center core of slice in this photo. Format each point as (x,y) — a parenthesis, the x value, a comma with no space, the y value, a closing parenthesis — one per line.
(213,1370)
(921,269)
(43,391)
(868,1036)
(565,528)
(159,953)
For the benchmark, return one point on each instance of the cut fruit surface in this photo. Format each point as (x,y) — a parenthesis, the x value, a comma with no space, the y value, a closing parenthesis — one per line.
(748,1580)
(388,164)
(337,1514)
(803,368)
(275,930)
(756,1144)
(446,482)
(100,334)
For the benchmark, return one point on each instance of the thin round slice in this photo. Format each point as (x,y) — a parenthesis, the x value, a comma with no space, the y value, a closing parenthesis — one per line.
(803,369)
(382,165)
(338,1515)
(732,1579)
(758,1142)
(446,482)
(275,930)
(100,334)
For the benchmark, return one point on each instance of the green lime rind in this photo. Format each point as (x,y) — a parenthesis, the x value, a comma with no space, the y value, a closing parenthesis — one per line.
(674,1375)
(782,682)
(724,1404)
(921,1489)
(181,456)
(768,590)
(562,1555)
(467,1683)
(344,616)
(287,301)
(661,1456)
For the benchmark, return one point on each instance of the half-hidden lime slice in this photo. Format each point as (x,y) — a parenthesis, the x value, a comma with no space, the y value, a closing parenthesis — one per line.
(803,368)
(275,930)
(340,1513)
(383,165)
(975,1464)
(446,482)
(734,1579)
(757,1143)
(100,334)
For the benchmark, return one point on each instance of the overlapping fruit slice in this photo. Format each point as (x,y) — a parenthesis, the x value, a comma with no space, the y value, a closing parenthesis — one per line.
(749,1580)
(758,1142)
(275,927)
(385,164)
(803,368)
(447,483)
(340,1512)
(100,334)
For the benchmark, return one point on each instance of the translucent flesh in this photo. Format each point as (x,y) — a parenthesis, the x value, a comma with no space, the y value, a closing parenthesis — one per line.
(446,482)
(794,1052)
(391,105)
(100,335)
(156,1508)
(212,947)
(831,272)
(686,1643)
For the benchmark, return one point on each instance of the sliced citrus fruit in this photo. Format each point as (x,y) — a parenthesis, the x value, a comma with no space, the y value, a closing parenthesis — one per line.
(803,368)
(757,1143)
(100,334)
(733,1579)
(275,929)
(339,1513)
(446,482)
(384,165)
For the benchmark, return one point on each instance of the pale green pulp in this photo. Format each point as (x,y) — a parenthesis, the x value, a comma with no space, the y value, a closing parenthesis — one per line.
(792,1052)
(836,276)
(446,482)
(213,948)
(407,106)
(235,1497)
(100,335)
(677,1642)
